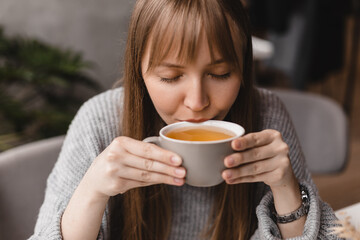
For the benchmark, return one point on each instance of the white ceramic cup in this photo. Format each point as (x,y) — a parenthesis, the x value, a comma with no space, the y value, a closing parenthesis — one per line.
(203,160)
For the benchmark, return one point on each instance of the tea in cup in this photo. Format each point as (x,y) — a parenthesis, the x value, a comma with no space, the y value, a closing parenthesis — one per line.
(202,146)
(200,133)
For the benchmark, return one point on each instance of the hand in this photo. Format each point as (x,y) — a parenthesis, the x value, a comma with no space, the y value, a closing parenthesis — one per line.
(260,157)
(264,157)
(127,163)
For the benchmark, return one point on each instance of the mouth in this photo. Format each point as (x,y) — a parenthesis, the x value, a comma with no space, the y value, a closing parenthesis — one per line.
(196,120)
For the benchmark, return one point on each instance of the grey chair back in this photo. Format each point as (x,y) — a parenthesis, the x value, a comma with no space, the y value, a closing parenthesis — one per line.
(322,128)
(23,174)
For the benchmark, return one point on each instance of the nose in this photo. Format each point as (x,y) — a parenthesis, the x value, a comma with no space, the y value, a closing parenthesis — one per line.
(196,97)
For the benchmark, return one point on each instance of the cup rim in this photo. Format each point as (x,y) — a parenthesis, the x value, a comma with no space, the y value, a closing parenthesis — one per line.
(239,131)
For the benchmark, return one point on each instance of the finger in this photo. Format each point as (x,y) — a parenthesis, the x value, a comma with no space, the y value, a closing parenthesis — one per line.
(153,166)
(149,151)
(250,155)
(250,179)
(127,184)
(131,184)
(149,177)
(270,178)
(255,139)
(251,169)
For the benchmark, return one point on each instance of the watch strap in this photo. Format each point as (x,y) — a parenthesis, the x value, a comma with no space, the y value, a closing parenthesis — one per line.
(298,213)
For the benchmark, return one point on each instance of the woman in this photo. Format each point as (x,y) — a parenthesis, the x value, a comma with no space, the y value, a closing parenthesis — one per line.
(185,61)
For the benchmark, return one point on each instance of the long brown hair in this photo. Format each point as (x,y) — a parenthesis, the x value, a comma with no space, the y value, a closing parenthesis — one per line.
(144,213)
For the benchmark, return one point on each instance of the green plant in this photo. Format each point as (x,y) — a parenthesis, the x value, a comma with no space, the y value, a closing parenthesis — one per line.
(41,88)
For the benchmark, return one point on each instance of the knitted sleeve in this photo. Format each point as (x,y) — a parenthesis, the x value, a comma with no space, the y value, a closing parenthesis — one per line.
(321,217)
(93,128)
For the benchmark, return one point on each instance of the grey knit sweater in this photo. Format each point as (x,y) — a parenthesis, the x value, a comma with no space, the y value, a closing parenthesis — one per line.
(98,122)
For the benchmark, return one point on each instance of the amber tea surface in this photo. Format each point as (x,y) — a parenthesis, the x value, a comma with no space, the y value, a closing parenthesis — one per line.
(200,133)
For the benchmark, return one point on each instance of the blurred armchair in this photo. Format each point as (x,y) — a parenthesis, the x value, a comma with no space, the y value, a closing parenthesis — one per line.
(23,174)
(322,128)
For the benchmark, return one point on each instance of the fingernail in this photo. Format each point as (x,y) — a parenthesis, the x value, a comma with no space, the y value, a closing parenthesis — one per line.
(228,175)
(230,161)
(175,160)
(180,172)
(178,180)
(237,144)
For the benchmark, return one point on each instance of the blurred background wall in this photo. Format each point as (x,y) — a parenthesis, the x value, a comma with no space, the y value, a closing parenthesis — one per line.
(96,28)
(39,102)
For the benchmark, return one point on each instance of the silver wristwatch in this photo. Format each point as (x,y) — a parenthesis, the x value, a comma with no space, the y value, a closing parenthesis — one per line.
(298,213)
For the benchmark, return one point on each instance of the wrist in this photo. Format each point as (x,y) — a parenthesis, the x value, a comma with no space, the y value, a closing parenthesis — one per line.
(295,214)
(287,197)
(91,195)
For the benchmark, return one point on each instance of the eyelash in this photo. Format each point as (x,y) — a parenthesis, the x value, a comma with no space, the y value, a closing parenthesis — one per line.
(220,77)
(170,80)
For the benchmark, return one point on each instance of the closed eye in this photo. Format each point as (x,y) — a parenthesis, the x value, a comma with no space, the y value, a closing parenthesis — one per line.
(169,80)
(220,77)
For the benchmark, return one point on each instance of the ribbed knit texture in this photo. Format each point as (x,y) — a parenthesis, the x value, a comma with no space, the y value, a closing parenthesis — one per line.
(98,122)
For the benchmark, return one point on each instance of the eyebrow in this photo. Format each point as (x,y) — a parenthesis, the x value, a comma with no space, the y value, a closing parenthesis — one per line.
(171,65)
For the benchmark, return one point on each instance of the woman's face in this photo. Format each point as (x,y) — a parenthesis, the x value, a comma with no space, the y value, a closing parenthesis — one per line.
(195,92)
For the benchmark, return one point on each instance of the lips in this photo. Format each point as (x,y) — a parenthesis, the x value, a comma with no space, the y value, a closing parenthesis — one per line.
(196,120)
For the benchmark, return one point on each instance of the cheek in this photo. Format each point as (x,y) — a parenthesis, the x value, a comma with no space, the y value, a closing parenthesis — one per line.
(164,103)
(225,95)
(163,98)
